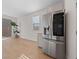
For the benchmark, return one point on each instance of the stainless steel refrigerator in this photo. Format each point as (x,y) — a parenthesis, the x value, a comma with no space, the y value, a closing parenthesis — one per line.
(54,36)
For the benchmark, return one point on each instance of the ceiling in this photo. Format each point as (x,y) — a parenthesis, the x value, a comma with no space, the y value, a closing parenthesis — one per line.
(24,7)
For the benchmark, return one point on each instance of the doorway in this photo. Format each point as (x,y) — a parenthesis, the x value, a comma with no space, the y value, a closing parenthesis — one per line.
(6,28)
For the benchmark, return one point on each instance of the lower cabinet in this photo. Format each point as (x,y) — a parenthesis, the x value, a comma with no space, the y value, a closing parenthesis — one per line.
(40,40)
(49,48)
(45,46)
(52,49)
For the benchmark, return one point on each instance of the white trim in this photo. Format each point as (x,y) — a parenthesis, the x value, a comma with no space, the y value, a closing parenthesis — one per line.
(27,38)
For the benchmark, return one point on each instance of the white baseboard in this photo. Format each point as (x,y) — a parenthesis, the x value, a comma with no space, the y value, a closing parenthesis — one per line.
(28,38)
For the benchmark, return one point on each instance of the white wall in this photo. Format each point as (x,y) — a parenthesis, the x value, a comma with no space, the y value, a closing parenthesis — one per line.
(71,27)
(25,22)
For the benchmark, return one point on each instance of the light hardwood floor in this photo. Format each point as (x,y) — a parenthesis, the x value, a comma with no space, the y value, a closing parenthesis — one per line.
(16,48)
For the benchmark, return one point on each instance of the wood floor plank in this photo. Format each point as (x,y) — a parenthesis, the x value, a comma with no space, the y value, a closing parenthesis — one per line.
(15,48)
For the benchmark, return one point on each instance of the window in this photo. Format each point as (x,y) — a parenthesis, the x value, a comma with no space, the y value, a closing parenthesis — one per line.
(36,22)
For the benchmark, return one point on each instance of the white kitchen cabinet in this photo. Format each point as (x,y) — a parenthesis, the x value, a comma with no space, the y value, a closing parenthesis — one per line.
(39,40)
(49,48)
(52,49)
(46,46)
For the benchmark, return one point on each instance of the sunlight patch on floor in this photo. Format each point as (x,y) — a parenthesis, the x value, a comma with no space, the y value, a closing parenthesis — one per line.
(23,57)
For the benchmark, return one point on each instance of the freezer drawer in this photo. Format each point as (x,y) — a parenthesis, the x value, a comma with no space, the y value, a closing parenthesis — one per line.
(60,51)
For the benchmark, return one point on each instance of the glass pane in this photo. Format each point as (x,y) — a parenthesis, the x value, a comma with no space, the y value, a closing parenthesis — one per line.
(35,19)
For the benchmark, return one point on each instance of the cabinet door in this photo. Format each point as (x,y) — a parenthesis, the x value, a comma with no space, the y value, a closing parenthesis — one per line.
(52,49)
(46,19)
(40,42)
(45,46)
